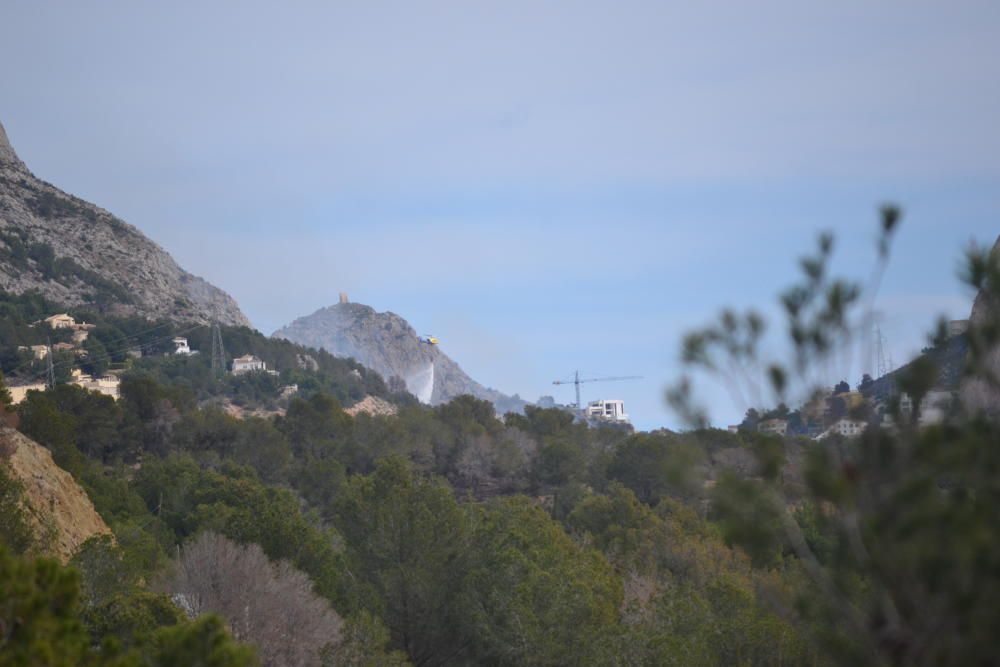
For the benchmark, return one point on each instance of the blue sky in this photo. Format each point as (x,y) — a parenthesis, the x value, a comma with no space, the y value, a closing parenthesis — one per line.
(545,186)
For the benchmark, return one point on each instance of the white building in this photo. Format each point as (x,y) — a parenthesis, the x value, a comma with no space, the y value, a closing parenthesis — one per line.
(610,410)
(849,428)
(181,346)
(248,364)
(934,407)
(774,426)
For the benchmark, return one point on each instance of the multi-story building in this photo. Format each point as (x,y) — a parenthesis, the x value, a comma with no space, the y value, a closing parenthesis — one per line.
(774,426)
(610,410)
(248,364)
(848,428)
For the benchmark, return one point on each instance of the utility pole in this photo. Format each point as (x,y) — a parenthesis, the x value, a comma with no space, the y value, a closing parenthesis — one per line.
(883,356)
(50,371)
(218,352)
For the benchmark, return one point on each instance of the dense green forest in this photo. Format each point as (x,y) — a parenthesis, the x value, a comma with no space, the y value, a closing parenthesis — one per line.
(448,535)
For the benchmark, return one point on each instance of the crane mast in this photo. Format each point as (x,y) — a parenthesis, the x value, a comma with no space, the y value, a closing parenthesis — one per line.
(576,382)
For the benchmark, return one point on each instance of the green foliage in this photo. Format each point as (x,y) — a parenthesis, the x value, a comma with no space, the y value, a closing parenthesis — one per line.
(188,499)
(750,516)
(43,421)
(5,397)
(689,598)
(363,644)
(201,643)
(654,466)
(407,550)
(70,417)
(16,532)
(97,359)
(536,597)
(133,618)
(896,546)
(38,612)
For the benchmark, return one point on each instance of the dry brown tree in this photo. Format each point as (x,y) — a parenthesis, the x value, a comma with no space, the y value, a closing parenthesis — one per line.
(270,605)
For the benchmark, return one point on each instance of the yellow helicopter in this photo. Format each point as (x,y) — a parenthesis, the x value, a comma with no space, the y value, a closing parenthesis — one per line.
(430,340)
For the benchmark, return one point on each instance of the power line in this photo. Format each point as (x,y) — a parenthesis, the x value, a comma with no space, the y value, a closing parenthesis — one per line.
(218,351)
(50,380)
(883,356)
(118,340)
(50,369)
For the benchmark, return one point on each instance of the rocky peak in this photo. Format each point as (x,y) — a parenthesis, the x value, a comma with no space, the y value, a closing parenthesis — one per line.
(7,154)
(986,303)
(386,343)
(76,253)
(976,393)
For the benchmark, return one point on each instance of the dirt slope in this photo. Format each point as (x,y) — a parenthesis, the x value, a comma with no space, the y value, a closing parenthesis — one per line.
(55,500)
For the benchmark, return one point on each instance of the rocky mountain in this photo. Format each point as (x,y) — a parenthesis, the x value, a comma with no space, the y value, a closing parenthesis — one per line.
(951,359)
(58,507)
(387,344)
(75,253)
(977,393)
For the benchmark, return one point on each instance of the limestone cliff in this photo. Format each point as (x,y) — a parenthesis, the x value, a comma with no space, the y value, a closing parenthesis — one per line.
(57,505)
(387,344)
(74,253)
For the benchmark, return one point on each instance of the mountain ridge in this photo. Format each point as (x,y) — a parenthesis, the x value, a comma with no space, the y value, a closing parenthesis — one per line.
(74,252)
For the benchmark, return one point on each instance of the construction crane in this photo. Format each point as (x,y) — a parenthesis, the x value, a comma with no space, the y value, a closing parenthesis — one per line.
(576,381)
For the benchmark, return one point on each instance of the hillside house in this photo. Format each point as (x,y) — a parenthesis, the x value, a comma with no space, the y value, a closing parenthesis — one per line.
(19,392)
(37,351)
(109,385)
(609,410)
(60,321)
(248,364)
(181,346)
(934,407)
(848,428)
(774,427)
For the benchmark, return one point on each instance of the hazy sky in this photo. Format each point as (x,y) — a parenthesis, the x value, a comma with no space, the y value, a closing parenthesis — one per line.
(546,186)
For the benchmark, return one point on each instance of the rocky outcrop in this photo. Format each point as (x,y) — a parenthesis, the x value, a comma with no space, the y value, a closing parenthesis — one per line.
(75,253)
(978,395)
(387,344)
(59,508)
(374,406)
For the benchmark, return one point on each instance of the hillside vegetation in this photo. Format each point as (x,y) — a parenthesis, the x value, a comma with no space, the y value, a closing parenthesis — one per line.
(444,535)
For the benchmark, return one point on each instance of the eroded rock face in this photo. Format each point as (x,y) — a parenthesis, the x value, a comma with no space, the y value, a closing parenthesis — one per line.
(74,252)
(387,344)
(374,406)
(58,506)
